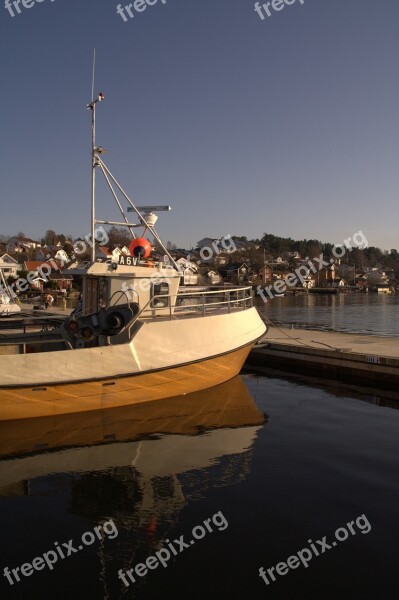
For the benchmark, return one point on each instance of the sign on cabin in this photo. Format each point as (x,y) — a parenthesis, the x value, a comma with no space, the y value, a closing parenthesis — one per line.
(129,261)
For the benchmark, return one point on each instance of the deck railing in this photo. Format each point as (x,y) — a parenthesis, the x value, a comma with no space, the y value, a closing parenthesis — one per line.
(174,306)
(200,303)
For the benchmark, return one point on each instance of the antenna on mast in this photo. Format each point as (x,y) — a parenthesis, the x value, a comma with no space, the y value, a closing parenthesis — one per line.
(94,158)
(147,219)
(94,72)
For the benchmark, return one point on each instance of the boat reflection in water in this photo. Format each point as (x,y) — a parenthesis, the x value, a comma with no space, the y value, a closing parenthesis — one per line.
(228,405)
(139,465)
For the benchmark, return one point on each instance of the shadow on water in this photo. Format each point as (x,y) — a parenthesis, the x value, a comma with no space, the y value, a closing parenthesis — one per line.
(340,389)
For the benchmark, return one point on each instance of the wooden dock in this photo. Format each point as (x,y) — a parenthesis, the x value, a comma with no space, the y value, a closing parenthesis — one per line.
(355,358)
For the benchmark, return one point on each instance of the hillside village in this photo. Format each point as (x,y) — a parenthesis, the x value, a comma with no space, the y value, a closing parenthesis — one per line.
(257,262)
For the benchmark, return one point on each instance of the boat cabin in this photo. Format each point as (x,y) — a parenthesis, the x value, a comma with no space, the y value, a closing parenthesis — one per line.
(153,288)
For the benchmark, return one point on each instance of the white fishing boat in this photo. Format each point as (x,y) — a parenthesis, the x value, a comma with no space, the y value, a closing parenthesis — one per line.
(135,337)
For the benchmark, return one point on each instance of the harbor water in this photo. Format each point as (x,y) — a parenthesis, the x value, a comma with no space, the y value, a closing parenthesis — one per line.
(373,314)
(235,478)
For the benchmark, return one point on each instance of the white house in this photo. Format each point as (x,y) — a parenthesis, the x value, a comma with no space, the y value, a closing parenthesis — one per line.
(189,271)
(213,277)
(106,253)
(309,282)
(62,256)
(190,277)
(9,266)
(21,244)
(338,282)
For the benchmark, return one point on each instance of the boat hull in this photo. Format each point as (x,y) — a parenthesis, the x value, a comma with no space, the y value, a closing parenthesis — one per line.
(28,402)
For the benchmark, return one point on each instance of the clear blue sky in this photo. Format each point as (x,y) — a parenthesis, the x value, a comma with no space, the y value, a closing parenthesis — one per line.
(287,125)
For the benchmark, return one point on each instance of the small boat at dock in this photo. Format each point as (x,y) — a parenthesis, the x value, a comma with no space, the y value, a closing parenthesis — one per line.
(7,305)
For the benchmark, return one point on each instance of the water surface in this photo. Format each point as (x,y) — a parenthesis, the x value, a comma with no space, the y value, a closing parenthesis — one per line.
(283,461)
(375,314)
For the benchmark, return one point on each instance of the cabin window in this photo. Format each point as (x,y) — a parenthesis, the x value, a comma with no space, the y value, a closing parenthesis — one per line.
(91,296)
(102,293)
(96,294)
(160,289)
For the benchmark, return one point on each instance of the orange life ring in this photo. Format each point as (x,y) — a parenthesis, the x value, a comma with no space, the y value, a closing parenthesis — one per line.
(140,248)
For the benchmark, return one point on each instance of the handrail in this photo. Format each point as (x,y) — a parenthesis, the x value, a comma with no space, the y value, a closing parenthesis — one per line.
(232,299)
(203,305)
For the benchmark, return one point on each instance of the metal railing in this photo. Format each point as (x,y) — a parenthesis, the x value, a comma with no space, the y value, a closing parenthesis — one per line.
(181,305)
(209,302)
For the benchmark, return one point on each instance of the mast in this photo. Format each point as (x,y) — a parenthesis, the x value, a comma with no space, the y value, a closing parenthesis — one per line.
(94,164)
(94,158)
(93,180)
(147,219)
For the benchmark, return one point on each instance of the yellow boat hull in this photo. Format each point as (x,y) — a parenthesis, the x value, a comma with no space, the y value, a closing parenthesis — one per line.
(43,401)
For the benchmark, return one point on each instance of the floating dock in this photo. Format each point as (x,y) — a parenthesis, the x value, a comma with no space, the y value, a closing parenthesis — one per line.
(356,358)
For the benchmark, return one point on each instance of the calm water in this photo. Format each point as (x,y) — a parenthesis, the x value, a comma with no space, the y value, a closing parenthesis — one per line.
(280,461)
(362,313)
